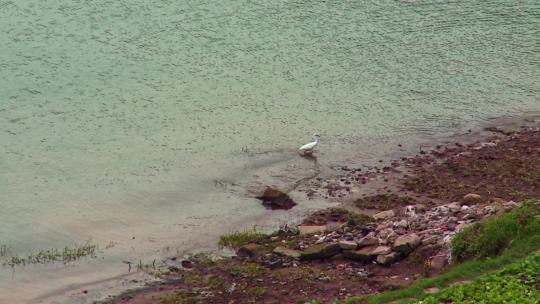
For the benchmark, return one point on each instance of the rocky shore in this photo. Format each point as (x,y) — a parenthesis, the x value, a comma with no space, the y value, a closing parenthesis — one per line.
(375,242)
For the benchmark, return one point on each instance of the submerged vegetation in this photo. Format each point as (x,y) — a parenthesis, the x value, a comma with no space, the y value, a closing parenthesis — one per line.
(5,250)
(64,255)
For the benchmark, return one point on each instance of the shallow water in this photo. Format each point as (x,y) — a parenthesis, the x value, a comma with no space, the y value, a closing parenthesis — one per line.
(145,124)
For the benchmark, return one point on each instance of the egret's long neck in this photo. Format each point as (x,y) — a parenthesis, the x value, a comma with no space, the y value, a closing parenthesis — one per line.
(316,139)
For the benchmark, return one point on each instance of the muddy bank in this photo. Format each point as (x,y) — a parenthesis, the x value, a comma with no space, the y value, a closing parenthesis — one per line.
(378,241)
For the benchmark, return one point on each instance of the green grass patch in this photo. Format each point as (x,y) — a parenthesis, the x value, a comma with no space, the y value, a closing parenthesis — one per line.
(517,283)
(181,297)
(256,291)
(239,238)
(513,236)
(216,283)
(172,299)
(517,228)
(199,280)
(248,269)
(193,279)
(336,301)
(203,260)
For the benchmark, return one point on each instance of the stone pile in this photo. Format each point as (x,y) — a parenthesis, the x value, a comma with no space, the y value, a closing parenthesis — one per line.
(390,237)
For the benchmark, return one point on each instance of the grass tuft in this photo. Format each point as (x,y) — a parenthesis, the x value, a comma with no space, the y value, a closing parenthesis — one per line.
(520,226)
(5,250)
(193,279)
(65,255)
(256,291)
(248,269)
(181,297)
(239,238)
(517,283)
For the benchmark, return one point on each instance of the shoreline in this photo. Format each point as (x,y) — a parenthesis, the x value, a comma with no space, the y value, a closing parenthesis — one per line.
(330,179)
(379,180)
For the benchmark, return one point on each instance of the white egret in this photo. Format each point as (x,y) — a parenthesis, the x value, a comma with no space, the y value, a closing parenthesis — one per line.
(308,148)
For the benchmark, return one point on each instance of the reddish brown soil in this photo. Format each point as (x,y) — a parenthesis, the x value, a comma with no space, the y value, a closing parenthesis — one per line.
(510,170)
(384,201)
(323,280)
(332,215)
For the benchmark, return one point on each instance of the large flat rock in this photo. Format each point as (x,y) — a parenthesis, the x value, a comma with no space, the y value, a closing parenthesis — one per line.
(367,254)
(311,229)
(384,215)
(320,251)
(295,254)
(387,259)
(407,243)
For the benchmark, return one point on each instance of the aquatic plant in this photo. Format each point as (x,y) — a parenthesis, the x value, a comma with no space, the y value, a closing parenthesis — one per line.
(147,266)
(64,255)
(5,250)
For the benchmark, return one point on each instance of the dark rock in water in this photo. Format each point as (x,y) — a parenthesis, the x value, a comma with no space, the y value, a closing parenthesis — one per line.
(173,268)
(275,199)
(187,264)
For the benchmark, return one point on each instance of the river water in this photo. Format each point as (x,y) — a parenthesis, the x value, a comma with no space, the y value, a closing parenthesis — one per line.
(144,126)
